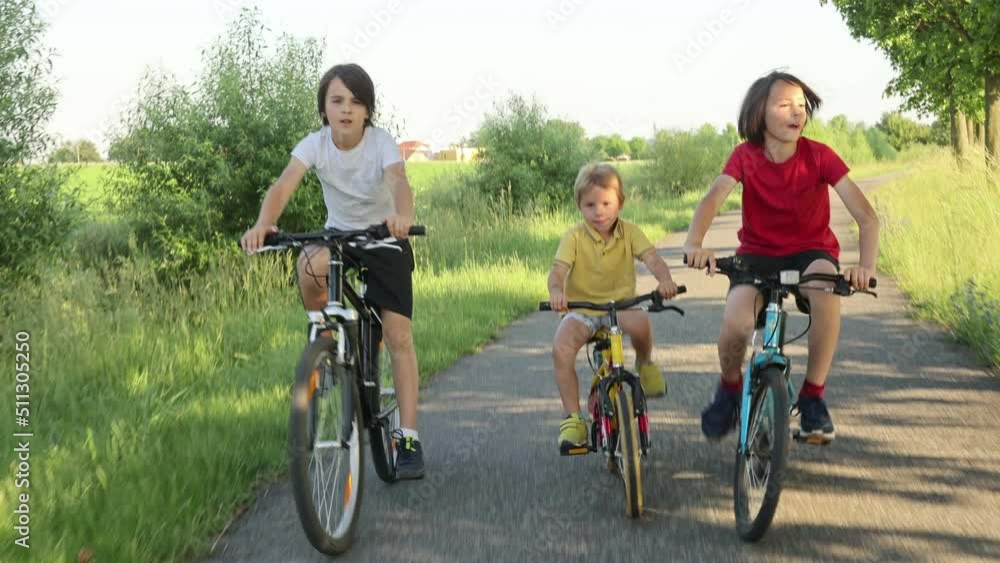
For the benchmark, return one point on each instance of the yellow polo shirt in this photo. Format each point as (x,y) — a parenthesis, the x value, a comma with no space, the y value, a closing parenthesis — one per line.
(601,271)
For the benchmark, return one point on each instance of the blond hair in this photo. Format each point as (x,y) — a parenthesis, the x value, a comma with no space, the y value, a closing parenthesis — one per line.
(598,174)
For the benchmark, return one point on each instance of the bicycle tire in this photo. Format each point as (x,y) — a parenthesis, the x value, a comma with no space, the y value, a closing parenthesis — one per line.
(628,452)
(768,403)
(380,438)
(320,377)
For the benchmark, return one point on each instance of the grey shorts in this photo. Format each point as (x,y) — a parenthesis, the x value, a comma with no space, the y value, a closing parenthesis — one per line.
(593,323)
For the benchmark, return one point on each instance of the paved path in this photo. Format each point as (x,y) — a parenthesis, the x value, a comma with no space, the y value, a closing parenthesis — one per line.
(914,474)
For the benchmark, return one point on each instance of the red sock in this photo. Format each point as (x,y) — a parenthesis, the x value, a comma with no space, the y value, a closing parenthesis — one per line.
(732,387)
(812,390)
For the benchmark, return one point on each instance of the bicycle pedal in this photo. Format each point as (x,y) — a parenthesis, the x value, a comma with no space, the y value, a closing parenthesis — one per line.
(567,449)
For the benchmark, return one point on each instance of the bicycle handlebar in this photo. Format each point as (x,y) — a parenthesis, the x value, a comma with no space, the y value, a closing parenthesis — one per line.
(654,297)
(733,266)
(282,240)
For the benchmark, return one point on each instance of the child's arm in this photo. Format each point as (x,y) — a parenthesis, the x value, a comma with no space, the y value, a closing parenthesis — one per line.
(402,194)
(660,271)
(868,227)
(275,200)
(705,213)
(557,286)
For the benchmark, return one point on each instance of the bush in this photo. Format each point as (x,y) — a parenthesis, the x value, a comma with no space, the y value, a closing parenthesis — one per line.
(879,143)
(685,160)
(38,217)
(847,139)
(527,158)
(196,161)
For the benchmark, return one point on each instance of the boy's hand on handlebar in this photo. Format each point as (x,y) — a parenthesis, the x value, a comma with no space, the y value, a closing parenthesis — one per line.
(399,225)
(859,277)
(698,258)
(557,300)
(667,289)
(253,239)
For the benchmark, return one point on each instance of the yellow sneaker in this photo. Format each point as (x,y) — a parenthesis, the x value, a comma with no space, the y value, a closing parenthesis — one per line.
(651,379)
(572,433)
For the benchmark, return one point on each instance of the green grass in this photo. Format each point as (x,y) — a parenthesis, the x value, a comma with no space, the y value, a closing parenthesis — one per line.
(90,183)
(939,241)
(905,160)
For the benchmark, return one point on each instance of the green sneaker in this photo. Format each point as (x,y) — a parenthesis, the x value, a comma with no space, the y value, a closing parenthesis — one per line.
(572,434)
(651,379)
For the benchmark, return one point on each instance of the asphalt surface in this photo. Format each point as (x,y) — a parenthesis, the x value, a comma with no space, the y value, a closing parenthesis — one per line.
(914,474)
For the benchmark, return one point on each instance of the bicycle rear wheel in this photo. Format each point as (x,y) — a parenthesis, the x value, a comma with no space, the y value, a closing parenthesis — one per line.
(386,420)
(627,452)
(326,457)
(760,467)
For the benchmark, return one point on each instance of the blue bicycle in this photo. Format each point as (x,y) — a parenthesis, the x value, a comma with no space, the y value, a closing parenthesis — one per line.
(765,409)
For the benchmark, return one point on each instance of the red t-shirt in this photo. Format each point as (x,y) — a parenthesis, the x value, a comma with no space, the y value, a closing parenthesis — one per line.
(786,207)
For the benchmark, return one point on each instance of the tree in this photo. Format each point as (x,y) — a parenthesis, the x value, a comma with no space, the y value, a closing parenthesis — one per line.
(947,55)
(75,151)
(196,161)
(37,214)
(26,99)
(902,132)
(616,146)
(528,158)
(637,148)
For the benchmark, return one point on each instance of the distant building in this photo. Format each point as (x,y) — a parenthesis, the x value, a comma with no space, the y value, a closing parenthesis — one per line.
(458,154)
(415,151)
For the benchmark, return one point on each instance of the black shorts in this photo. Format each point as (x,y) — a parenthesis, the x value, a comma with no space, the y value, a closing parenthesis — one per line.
(390,276)
(766,265)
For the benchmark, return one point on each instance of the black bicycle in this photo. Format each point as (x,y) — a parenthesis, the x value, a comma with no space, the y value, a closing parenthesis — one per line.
(619,425)
(765,405)
(343,385)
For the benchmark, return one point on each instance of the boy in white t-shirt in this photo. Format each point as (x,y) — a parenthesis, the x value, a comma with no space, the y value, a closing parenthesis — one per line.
(364,183)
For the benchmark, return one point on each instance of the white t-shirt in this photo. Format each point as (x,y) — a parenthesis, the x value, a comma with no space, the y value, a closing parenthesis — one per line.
(354,189)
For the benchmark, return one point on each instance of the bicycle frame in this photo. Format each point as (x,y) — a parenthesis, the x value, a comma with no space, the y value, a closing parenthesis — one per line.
(610,374)
(354,325)
(772,354)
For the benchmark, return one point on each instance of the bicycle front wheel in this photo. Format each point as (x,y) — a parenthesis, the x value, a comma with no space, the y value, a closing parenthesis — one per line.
(627,452)
(326,457)
(760,466)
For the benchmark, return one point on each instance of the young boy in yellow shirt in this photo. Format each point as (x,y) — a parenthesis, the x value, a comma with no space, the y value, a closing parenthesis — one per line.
(596,262)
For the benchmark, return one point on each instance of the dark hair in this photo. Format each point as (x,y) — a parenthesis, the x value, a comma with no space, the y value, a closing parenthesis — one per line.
(356,80)
(751,122)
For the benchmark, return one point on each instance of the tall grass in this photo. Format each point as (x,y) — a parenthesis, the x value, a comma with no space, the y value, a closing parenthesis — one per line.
(939,241)
(156,408)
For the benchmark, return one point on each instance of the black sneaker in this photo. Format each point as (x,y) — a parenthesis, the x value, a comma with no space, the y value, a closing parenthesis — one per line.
(410,460)
(719,417)
(815,425)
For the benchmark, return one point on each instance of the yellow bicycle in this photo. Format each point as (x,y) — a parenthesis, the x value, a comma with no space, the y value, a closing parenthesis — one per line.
(619,421)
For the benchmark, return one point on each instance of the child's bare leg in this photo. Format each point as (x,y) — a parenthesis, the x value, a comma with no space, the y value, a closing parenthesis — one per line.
(570,337)
(737,326)
(825,330)
(640,331)
(313,266)
(397,334)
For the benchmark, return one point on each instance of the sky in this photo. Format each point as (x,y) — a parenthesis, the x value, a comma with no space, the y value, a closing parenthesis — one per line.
(627,67)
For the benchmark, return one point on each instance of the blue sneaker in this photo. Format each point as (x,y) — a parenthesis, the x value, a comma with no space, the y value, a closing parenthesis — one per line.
(815,424)
(410,463)
(719,417)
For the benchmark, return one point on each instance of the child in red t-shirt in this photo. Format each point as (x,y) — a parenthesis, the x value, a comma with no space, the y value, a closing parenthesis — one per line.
(786,225)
